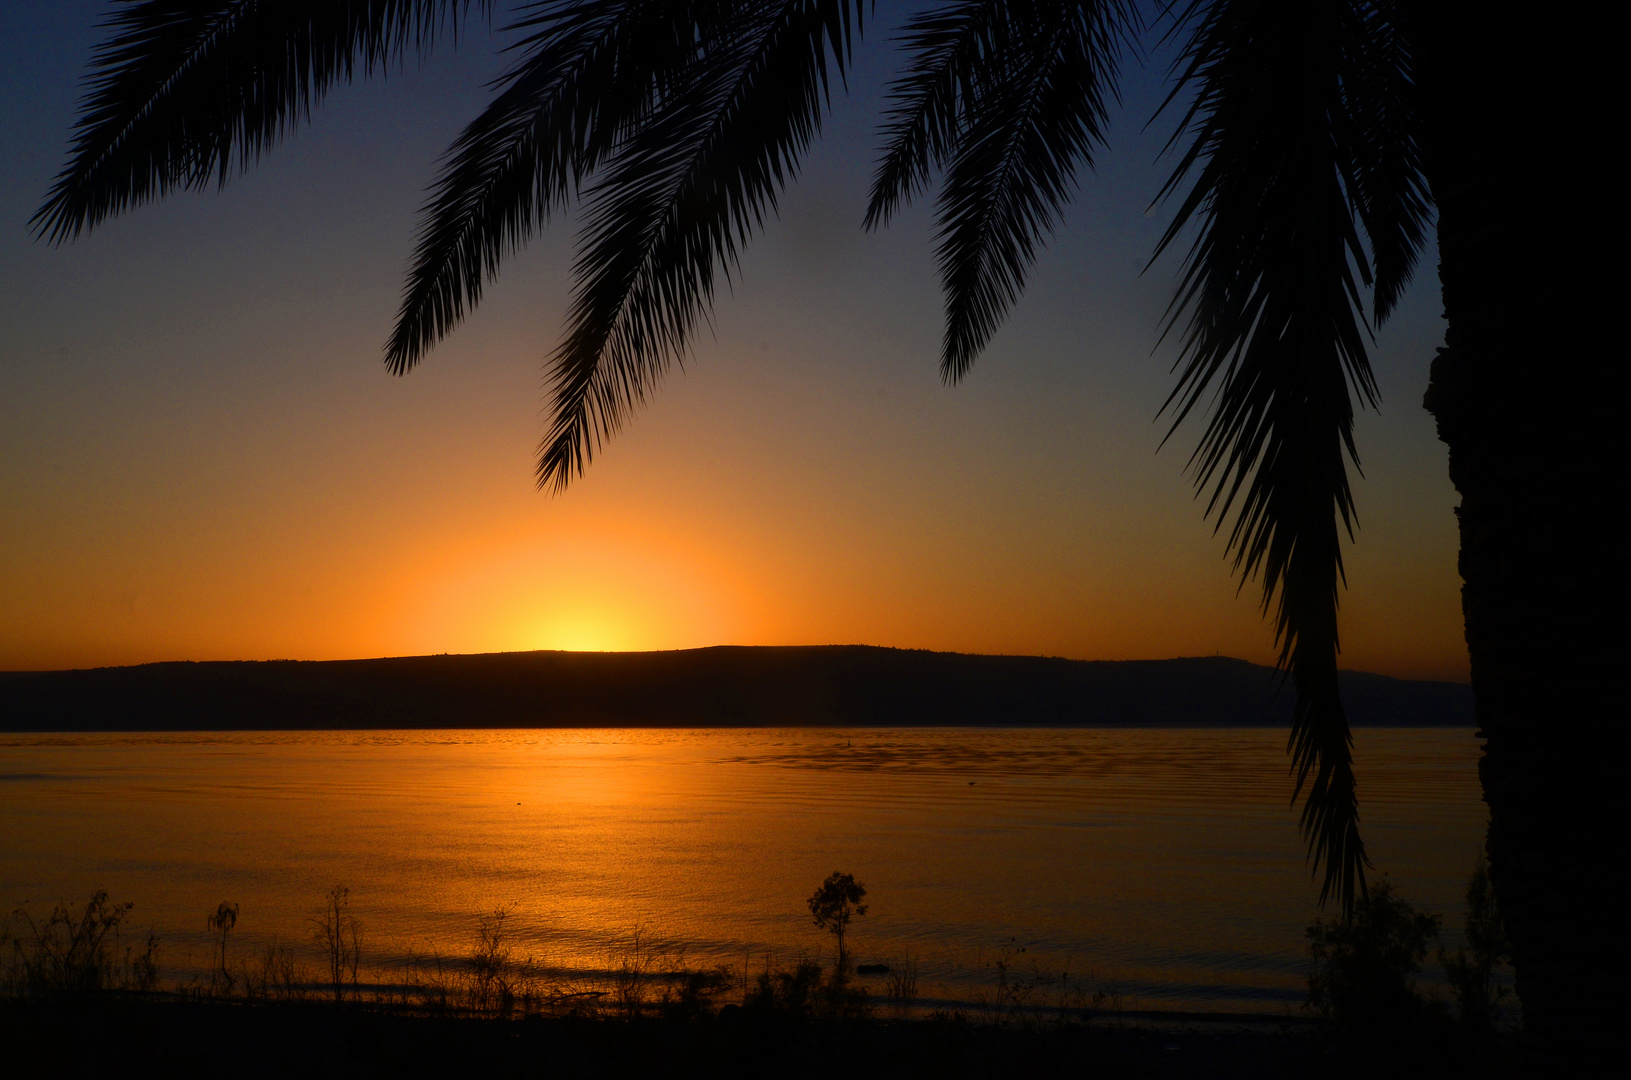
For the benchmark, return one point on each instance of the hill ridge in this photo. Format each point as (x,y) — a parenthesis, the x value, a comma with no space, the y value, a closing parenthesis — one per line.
(713,686)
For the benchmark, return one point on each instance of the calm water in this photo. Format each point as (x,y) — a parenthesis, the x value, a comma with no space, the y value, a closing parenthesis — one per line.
(1163,863)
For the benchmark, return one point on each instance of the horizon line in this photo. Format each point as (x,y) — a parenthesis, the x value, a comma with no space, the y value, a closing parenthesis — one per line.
(703,648)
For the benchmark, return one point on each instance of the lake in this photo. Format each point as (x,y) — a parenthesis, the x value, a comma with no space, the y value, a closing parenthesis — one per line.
(1163,865)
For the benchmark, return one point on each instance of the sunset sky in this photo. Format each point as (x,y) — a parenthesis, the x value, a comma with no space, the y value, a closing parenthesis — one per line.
(202,456)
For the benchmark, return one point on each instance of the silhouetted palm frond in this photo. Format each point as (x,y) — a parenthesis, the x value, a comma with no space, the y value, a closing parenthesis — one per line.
(1008,96)
(944,48)
(1288,159)
(185,88)
(678,196)
(1376,136)
(590,71)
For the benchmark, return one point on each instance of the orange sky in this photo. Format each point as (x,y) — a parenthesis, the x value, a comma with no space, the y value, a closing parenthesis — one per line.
(201,456)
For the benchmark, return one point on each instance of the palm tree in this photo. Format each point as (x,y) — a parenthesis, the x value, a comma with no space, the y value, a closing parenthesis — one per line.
(1534,455)
(1312,140)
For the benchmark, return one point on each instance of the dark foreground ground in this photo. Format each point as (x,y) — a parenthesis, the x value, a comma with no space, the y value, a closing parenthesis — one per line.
(107,1036)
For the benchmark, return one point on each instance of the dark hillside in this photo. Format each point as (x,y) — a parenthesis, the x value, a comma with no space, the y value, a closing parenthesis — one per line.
(726,686)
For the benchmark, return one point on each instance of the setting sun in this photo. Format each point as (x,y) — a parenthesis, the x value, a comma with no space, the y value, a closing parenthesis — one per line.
(581,633)
(580,586)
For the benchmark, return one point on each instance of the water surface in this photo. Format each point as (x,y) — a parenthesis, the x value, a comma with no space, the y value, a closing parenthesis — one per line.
(1162,863)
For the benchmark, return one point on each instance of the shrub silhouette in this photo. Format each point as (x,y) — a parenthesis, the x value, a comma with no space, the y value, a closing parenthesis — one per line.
(1471,970)
(691,995)
(77,952)
(141,965)
(431,983)
(1363,964)
(901,984)
(633,970)
(274,974)
(790,992)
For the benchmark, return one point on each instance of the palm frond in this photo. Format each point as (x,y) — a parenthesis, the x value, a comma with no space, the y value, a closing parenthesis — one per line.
(1009,97)
(1378,151)
(1033,112)
(676,200)
(944,47)
(184,90)
(1285,168)
(590,70)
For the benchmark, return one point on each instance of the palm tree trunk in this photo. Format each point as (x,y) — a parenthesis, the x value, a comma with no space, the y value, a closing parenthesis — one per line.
(1528,392)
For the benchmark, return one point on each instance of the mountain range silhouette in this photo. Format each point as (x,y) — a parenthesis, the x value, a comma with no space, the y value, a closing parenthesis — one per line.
(722,686)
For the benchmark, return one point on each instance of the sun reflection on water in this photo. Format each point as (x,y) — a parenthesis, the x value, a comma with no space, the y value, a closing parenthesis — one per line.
(1165,862)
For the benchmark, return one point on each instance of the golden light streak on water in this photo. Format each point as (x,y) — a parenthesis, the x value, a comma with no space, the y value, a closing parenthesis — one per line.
(1162,862)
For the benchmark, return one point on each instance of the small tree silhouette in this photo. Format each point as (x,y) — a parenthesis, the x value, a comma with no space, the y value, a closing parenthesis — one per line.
(837,901)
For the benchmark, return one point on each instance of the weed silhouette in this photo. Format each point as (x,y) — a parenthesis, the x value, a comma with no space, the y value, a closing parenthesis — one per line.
(221,923)
(77,951)
(340,936)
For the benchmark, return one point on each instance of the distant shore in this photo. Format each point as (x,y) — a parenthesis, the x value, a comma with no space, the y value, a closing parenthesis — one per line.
(724,686)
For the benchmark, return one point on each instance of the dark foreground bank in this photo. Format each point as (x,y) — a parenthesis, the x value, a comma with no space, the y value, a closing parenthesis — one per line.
(140,1037)
(740,686)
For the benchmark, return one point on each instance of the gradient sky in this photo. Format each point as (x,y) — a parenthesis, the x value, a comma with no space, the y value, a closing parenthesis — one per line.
(202,456)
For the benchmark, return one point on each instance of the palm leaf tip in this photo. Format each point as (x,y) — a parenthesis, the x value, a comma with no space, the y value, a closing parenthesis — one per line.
(1300,135)
(683,189)
(1007,97)
(583,77)
(182,91)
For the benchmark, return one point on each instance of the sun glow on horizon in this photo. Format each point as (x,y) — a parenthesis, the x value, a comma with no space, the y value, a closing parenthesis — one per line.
(580,633)
(588,588)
